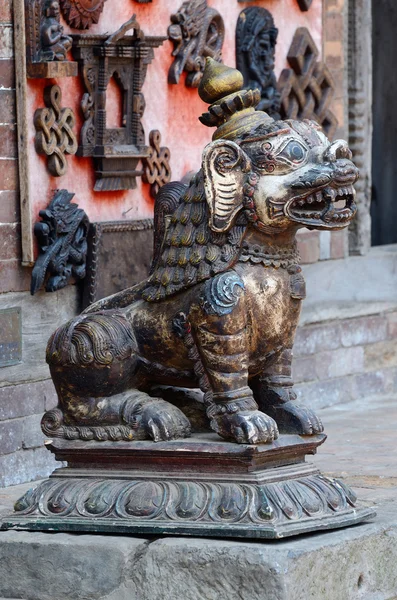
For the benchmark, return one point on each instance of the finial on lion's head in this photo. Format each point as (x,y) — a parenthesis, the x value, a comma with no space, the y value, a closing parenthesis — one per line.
(232,109)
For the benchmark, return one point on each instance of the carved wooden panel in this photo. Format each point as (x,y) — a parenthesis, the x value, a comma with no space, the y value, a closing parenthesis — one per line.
(197,31)
(54,131)
(307,86)
(81,14)
(256,38)
(119,255)
(46,43)
(62,238)
(116,150)
(157,169)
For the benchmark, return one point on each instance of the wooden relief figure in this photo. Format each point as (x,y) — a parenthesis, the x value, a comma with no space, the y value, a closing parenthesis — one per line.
(47,44)
(54,131)
(81,14)
(196,31)
(123,58)
(62,238)
(218,313)
(307,88)
(256,38)
(157,170)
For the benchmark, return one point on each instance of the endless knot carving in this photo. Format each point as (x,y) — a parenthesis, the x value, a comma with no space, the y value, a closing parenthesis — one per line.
(256,38)
(54,131)
(197,31)
(81,14)
(307,87)
(157,165)
(62,239)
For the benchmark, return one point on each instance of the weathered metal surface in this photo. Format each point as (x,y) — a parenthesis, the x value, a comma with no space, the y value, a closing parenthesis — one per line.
(116,150)
(256,38)
(197,31)
(10,336)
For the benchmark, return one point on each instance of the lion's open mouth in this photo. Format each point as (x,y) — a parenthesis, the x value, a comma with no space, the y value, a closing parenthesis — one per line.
(331,206)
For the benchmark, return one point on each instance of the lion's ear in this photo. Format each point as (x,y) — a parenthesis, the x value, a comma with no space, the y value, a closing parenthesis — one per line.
(224,167)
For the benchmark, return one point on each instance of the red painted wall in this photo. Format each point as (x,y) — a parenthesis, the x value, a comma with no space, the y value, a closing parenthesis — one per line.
(173,109)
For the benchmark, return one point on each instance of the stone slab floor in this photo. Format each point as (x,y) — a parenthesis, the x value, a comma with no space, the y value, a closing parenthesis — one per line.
(358,563)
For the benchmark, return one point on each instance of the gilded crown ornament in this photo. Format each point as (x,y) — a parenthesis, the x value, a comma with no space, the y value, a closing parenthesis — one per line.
(218,313)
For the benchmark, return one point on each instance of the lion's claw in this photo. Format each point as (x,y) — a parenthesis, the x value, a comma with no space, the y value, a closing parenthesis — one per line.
(296,418)
(247,427)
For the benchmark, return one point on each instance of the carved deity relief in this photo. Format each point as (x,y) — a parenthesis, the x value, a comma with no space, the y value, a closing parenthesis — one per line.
(62,238)
(81,14)
(47,44)
(123,57)
(307,87)
(197,31)
(256,38)
(54,131)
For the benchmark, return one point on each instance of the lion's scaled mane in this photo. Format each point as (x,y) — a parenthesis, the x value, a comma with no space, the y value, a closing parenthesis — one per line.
(191,251)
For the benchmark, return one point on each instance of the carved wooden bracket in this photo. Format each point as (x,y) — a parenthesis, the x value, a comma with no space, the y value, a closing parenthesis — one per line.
(62,238)
(54,131)
(46,44)
(304,5)
(256,38)
(157,170)
(307,87)
(81,14)
(196,31)
(116,150)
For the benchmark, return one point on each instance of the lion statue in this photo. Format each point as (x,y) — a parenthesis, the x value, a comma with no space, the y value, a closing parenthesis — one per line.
(221,306)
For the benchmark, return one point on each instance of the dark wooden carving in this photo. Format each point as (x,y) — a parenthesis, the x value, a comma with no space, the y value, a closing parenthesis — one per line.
(218,313)
(197,31)
(157,169)
(119,256)
(304,5)
(81,14)
(62,240)
(256,38)
(54,131)
(307,87)
(46,44)
(116,151)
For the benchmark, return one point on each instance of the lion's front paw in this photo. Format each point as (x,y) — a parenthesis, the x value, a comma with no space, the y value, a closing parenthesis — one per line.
(248,427)
(296,418)
(157,419)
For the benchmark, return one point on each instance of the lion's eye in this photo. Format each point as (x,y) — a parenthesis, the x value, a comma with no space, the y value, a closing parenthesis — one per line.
(294,152)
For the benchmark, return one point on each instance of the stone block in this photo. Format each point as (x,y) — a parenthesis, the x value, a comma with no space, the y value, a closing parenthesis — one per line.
(25,399)
(309,246)
(25,465)
(9,207)
(325,245)
(380,355)
(316,338)
(5,11)
(320,394)
(8,173)
(7,108)
(32,436)
(8,141)
(366,330)
(11,433)
(392,325)
(303,369)
(55,567)
(340,362)
(6,41)
(372,383)
(7,72)
(13,277)
(10,240)
(338,244)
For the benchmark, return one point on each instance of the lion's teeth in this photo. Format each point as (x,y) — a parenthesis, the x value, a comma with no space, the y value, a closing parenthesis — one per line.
(310,199)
